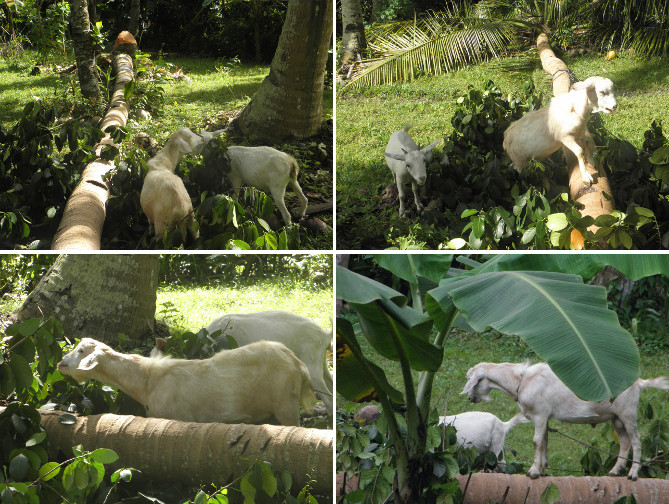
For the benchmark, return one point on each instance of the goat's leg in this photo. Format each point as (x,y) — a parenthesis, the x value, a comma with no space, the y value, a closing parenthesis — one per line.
(633,432)
(574,146)
(590,147)
(625,445)
(278,193)
(540,447)
(288,413)
(416,196)
(300,196)
(400,195)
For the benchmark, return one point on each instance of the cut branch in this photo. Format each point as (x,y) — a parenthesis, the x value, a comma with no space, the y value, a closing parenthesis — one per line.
(84,214)
(198,453)
(591,197)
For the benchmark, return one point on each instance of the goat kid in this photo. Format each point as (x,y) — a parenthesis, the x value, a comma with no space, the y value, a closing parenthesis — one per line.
(407,162)
(164,198)
(541,396)
(251,384)
(563,122)
(484,431)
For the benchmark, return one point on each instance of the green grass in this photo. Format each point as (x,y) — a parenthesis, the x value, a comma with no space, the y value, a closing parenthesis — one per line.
(369,116)
(196,306)
(463,350)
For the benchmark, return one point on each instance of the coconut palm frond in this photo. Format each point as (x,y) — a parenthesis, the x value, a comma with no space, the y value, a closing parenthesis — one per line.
(652,41)
(433,46)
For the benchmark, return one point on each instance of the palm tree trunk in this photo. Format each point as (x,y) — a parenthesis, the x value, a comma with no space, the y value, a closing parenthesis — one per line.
(592,197)
(353,41)
(193,453)
(289,101)
(99,296)
(84,214)
(84,51)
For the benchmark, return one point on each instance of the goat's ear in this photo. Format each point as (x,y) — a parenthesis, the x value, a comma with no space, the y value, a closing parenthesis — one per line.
(590,82)
(89,362)
(399,157)
(478,375)
(183,146)
(160,344)
(429,147)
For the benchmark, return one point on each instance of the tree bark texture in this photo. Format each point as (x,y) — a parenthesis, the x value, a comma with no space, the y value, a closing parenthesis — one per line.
(483,488)
(84,213)
(592,197)
(133,27)
(353,41)
(80,27)
(97,296)
(289,101)
(198,453)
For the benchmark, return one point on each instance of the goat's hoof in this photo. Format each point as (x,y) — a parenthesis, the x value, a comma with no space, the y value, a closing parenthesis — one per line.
(632,477)
(532,475)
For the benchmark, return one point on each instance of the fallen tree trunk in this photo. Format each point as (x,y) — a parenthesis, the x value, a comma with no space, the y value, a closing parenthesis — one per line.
(84,214)
(198,453)
(590,196)
(483,488)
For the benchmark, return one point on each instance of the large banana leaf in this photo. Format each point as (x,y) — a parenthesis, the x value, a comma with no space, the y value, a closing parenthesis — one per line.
(566,323)
(633,266)
(354,288)
(410,266)
(358,378)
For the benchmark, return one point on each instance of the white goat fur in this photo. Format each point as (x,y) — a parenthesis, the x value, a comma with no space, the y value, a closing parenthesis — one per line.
(407,161)
(484,431)
(304,337)
(563,122)
(251,384)
(541,396)
(164,198)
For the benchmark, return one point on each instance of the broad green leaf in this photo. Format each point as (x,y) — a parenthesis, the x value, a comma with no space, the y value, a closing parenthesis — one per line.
(410,266)
(18,467)
(49,470)
(359,379)
(355,288)
(36,439)
(23,375)
(394,331)
(557,222)
(550,495)
(268,480)
(81,477)
(104,456)
(567,323)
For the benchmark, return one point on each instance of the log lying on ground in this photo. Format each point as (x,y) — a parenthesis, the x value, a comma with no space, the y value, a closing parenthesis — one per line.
(198,453)
(592,197)
(84,214)
(483,488)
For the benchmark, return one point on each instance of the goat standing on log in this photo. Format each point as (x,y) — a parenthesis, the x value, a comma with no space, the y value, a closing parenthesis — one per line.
(541,396)
(563,122)
(250,384)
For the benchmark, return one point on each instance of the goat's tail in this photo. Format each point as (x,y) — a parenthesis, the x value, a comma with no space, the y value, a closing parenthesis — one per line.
(407,127)
(516,420)
(294,167)
(661,382)
(307,396)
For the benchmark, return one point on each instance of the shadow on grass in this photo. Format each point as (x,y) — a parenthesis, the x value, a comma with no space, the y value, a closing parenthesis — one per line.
(644,76)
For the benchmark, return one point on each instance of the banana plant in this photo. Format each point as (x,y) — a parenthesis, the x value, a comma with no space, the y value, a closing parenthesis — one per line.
(541,298)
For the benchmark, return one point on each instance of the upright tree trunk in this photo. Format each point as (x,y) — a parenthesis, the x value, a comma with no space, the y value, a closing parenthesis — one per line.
(93,12)
(84,214)
(289,101)
(84,51)
(353,41)
(592,197)
(199,453)
(134,17)
(98,296)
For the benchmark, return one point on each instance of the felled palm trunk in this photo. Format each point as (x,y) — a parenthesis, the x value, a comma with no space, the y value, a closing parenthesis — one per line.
(84,214)
(592,197)
(199,453)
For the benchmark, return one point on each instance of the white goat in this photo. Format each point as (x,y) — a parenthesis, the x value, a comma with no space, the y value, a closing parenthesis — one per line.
(541,396)
(164,198)
(407,161)
(250,384)
(484,431)
(563,122)
(305,338)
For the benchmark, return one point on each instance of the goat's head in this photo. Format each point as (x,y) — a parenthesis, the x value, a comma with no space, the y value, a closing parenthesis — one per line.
(600,94)
(83,358)
(415,161)
(477,387)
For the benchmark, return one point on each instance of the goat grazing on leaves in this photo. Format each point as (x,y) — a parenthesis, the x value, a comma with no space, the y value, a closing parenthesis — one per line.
(407,162)
(164,198)
(484,431)
(541,396)
(563,122)
(305,338)
(250,384)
